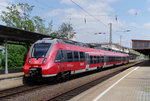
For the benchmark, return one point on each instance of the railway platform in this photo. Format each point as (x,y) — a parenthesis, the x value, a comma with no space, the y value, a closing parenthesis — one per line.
(132,84)
(11,75)
(10,80)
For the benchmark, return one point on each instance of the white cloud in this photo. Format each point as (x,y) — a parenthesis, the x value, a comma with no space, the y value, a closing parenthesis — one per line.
(69,2)
(100,9)
(3,5)
(148,9)
(133,12)
(57,12)
(146,25)
(66,2)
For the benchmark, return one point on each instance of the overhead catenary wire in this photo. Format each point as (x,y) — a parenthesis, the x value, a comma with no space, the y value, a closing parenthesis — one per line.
(88,13)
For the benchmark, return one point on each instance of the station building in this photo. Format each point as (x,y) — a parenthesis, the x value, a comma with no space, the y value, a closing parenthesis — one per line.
(142,46)
(113,46)
(116,47)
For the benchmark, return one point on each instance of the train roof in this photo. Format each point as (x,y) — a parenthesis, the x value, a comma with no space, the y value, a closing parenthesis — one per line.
(75,43)
(65,41)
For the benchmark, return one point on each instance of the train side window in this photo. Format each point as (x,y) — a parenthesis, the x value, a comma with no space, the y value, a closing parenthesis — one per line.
(95,59)
(113,59)
(64,58)
(107,59)
(59,56)
(98,59)
(102,59)
(110,59)
(76,56)
(91,59)
(69,56)
(117,58)
(82,56)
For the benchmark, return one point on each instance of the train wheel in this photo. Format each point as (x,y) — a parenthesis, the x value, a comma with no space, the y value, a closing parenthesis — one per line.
(99,68)
(63,76)
(67,76)
(58,78)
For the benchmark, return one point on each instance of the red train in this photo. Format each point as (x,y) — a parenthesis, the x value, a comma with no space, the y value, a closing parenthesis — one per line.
(57,57)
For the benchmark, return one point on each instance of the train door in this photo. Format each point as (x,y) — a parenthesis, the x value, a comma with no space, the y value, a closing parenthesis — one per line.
(87,58)
(59,60)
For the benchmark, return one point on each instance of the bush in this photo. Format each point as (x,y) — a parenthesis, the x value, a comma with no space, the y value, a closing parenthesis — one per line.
(2,64)
(16,56)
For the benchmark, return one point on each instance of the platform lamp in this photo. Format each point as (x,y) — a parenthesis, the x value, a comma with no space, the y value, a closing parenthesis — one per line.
(121,35)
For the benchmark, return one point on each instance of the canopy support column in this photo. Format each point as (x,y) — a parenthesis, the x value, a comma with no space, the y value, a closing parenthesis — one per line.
(6,61)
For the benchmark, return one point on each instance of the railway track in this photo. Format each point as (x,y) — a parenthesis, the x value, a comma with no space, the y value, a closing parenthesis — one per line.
(72,93)
(12,92)
(60,91)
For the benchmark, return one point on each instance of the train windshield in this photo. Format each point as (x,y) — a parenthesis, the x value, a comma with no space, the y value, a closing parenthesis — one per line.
(40,49)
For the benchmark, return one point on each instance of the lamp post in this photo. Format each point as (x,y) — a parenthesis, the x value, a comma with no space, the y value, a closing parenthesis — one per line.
(121,35)
(110,35)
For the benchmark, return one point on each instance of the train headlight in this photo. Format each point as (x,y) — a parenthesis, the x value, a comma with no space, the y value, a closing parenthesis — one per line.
(29,60)
(44,60)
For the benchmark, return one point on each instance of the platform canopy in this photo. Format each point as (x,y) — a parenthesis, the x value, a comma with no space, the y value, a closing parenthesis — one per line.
(13,34)
(142,46)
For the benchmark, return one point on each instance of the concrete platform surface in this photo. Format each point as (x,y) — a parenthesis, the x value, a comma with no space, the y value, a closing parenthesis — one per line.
(130,85)
(11,75)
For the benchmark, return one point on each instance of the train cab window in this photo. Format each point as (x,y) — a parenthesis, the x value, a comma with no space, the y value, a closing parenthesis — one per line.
(40,50)
(82,56)
(69,56)
(59,56)
(76,56)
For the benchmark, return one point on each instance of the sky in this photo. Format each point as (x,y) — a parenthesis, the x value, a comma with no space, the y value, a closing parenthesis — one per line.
(95,16)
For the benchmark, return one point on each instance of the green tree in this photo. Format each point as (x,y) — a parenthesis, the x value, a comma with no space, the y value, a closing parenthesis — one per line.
(19,16)
(65,31)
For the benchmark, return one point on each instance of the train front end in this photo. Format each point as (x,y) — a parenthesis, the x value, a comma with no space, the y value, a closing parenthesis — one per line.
(40,60)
